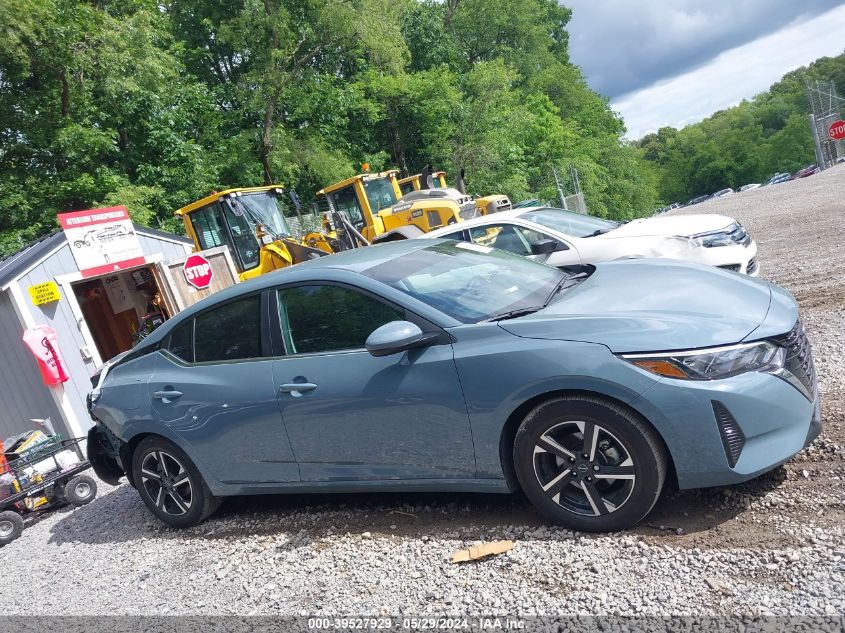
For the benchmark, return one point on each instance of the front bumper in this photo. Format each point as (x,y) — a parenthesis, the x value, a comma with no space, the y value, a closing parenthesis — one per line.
(736,258)
(775,419)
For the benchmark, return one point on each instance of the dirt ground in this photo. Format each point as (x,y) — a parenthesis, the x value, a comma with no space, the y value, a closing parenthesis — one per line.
(799,228)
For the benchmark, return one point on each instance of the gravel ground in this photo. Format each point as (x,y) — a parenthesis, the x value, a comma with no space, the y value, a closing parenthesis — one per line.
(772,546)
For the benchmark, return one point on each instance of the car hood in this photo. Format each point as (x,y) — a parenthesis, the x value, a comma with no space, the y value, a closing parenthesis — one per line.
(648,305)
(669,225)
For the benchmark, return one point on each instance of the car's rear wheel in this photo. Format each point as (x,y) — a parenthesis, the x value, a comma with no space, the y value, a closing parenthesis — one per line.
(170,484)
(589,464)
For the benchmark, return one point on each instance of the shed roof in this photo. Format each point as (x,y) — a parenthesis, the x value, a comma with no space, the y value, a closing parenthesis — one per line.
(19,263)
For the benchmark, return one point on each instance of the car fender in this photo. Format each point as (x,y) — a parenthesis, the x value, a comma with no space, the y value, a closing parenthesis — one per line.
(137,429)
(500,373)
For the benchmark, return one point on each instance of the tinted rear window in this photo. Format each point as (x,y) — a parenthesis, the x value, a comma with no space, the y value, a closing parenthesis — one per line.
(231,331)
(181,343)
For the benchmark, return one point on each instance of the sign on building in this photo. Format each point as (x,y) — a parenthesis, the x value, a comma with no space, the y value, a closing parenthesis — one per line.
(186,280)
(48,292)
(102,240)
(198,271)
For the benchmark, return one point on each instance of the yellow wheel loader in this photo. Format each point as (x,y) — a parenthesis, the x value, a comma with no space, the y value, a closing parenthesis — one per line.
(253,224)
(370,208)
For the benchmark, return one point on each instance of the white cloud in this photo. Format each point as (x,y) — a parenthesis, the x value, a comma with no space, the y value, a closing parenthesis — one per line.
(732,76)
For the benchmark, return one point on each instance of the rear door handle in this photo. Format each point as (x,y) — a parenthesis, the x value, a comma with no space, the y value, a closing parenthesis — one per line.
(296,389)
(167,395)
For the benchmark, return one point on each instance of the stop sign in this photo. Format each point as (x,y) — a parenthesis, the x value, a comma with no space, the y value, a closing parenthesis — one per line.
(837,130)
(198,271)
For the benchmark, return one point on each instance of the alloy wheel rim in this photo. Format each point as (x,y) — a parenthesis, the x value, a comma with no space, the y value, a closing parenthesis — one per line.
(584,468)
(6,528)
(82,489)
(167,482)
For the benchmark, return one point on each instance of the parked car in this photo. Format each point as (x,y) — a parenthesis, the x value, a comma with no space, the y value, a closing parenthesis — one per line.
(779,178)
(809,170)
(437,365)
(696,200)
(749,186)
(564,238)
(723,192)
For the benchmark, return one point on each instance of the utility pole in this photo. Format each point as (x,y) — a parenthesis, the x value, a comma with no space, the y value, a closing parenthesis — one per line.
(818,144)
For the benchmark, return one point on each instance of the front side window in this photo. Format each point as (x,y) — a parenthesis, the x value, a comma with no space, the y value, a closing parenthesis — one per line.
(380,193)
(231,331)
(345,200)
(469,282)
(505,237)
(324,318)
(243,234)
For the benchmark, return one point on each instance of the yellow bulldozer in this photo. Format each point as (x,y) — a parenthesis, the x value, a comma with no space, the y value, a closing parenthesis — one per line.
(252,222)
(371,208)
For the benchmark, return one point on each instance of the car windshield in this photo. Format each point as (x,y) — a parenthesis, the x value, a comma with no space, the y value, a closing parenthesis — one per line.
(380,193)
(569,223)
(263,208)
(470,283)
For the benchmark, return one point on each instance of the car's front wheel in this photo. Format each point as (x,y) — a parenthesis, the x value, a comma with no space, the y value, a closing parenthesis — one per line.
(170,484)
(589,464)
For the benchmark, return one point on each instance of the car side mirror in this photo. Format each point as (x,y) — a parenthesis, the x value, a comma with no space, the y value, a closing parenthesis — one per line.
(395,337)
(545,246)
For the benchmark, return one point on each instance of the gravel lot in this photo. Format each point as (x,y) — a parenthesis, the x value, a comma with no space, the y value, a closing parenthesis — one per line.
(771,546)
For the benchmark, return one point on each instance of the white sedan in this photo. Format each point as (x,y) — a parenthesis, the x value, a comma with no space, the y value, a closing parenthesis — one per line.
(564,238)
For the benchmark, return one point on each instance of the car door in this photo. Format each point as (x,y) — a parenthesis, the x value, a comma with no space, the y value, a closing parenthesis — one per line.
(352,416)
(213,386)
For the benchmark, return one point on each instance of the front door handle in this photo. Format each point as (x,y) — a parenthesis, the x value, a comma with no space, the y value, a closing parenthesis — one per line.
(167,395)
(296,389)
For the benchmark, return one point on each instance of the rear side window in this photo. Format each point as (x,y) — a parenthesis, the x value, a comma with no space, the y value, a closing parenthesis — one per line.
(181,343)
(231,331)
(460,236)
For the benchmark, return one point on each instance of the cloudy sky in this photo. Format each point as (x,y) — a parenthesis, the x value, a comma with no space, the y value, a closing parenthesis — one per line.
(674,62)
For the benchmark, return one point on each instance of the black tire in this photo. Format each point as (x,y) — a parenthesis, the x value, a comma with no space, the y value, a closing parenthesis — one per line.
(11,526)
(180,498)
(81,490)
(580,492)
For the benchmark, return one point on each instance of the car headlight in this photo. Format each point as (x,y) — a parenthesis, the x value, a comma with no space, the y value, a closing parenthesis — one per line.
(713,239)
(713,363)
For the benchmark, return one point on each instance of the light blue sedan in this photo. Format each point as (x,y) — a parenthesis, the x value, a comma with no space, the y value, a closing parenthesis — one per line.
(437,365)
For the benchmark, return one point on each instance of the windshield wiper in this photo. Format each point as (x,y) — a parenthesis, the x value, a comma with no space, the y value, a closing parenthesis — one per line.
(565,284)
(558,287)
(512,314)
